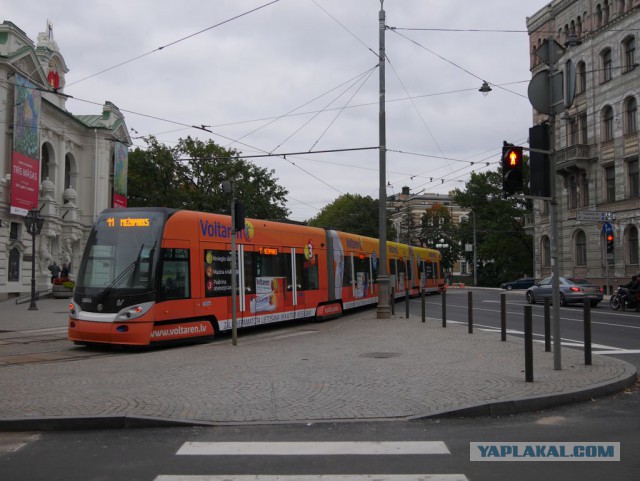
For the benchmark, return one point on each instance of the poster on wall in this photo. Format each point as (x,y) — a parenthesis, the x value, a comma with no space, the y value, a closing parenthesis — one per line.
(121,158)
(25,156)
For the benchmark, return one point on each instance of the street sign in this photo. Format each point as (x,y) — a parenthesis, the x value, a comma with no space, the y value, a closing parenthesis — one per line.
(593,215)
(541,87)
(550,51)
(607,228)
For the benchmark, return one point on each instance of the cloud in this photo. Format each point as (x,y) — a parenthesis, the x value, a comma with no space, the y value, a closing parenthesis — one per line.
(292,56)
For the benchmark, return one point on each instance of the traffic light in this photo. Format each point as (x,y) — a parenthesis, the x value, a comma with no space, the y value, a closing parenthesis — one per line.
(539,163)
(511,170)
(609,242)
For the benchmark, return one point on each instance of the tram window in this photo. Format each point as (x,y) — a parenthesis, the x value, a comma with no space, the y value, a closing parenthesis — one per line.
(250,269)
(307,272)
(361,265)
(217,273)
(392,267)
(175,274)
(347,277)
(409,270)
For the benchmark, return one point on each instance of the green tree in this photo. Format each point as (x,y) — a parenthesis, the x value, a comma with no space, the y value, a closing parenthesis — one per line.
(437,227)
(504,250)
(190,176)
(409,228)
(350,213)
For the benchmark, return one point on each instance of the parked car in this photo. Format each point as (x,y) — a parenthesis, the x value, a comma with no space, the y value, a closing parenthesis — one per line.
(572,291)
(523,283)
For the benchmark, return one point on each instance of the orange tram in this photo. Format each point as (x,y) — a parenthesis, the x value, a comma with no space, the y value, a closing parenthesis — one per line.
(151,275)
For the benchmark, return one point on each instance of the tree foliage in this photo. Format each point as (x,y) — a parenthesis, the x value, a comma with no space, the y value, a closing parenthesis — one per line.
(350,213)
(190,176)
(504,250)
(409,228)
(437,228)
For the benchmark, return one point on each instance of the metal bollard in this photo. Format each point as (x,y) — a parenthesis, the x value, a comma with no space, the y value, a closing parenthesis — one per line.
(406,304)
(470,309)
(503,317)
(587,332)
(444,308)
(424,306)
(528,344)
(393,301)
(547,324)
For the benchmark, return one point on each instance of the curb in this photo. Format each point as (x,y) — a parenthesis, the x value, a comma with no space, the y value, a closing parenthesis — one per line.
(519,406)
(493,410)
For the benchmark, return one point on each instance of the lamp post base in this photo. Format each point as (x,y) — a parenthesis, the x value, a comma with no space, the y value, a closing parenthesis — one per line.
(383,311)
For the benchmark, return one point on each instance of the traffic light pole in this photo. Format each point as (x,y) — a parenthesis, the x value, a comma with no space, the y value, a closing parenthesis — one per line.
(553,220)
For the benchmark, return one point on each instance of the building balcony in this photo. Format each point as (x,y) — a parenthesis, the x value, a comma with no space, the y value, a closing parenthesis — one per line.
(574,158)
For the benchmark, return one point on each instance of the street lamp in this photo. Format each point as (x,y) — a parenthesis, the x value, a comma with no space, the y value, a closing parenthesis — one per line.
(485,89)
(441,246)
(33,222)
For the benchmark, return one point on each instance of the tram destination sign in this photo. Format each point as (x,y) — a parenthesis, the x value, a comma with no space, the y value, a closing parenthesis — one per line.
(593,215)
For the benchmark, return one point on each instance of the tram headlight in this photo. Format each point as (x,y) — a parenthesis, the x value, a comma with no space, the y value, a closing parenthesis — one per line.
(73,310)
(133,312)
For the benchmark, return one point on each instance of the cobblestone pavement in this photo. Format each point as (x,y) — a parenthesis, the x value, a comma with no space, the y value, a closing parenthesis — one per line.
(353,368)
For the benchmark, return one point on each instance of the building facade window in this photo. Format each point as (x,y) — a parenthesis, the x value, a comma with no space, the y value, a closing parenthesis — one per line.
(583,127)
(607,124)
(13,274)
(581,84)
(632,245)
(629,49)
(606,65)
(634,178)
(573,132)
(14,231)
(630,116)
(581,248)
(610,183)
(545,246)
(572,191)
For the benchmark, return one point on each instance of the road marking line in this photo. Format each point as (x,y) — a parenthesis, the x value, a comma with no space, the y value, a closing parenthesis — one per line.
(312,448)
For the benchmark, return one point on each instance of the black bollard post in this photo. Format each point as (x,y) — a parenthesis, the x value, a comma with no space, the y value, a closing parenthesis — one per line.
(424,306)
(503,317)
(547,324)
(406,304)
(470,309)
(444,308)
(393,301)
(587,332)
(528,344)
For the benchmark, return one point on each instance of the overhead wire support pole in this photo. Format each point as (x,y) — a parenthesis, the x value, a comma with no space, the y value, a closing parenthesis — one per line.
(383,309)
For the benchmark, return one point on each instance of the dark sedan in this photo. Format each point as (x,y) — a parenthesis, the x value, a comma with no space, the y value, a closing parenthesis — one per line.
(572,291)
(524,283)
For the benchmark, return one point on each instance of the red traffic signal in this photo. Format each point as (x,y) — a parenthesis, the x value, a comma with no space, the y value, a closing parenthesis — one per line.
(610,242)
(512,179)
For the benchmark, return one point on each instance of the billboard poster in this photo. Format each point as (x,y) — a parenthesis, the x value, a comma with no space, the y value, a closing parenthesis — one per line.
(25,156)
(121,157)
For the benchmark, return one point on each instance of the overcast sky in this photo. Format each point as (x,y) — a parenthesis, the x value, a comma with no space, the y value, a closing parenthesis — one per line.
(301,75)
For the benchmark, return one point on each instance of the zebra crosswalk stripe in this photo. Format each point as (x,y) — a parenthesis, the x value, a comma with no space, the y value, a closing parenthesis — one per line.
(312,448)
(317,477)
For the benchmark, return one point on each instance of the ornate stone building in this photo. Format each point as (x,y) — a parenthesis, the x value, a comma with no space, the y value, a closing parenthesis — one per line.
(596,139)
(76,161)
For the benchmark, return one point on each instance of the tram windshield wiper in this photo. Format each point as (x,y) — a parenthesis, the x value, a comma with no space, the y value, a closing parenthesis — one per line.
(130,269)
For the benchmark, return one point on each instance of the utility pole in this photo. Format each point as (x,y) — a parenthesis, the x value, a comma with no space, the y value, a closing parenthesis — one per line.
(383,309)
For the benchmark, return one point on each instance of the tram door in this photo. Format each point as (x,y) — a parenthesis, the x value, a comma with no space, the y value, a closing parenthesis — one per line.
(174,298)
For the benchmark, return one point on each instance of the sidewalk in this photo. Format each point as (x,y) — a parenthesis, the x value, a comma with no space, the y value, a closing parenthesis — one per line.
(353,368)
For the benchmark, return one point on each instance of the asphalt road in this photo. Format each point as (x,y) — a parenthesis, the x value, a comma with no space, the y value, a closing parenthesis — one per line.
(613,333)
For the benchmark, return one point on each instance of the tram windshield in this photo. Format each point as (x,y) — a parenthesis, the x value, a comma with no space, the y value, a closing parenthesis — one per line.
(121,253)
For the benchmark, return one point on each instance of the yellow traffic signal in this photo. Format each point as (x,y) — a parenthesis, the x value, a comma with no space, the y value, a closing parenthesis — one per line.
(512,178)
